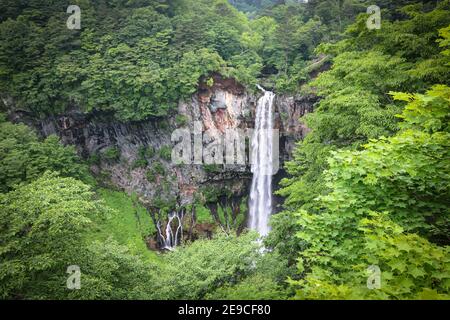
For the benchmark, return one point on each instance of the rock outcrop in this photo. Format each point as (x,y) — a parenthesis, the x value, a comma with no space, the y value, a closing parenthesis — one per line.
(216,108)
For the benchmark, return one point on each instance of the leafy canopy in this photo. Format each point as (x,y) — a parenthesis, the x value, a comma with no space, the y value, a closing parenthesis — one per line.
(23,157)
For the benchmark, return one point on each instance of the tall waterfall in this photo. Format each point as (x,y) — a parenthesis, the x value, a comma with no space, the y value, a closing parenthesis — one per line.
(262,165)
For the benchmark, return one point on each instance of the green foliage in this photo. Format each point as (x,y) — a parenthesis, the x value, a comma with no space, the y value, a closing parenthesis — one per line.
(242,214)
(387,175)
(94,159)
(407,177)
(212,168)
(112,154)
(151,176)
(23,157)
(128,223)
(251,5)
(193,271)
(355,106)
(367,187)
(411,267)
(213,194)
(139,163)
(111,271)
(151,54)
(165,152)
(144,153)
(42,227)
(223,214)
(53,223)
(266,282)
(149,152)
(181,120)
(255,287)
(203,215)
(283,236)
(165,206)
(359,197)
(158,168)
(137,65)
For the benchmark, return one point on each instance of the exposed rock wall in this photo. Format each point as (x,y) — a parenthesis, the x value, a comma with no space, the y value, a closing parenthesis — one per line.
(224,105)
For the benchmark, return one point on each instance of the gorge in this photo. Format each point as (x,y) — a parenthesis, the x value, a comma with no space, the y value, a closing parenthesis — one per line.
(224,150)
(224,105)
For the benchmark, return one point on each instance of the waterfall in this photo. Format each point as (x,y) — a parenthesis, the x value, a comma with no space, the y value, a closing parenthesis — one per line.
(262,165)
(170,240)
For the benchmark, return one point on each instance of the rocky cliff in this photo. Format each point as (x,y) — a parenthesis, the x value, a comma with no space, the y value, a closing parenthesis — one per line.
(136,157)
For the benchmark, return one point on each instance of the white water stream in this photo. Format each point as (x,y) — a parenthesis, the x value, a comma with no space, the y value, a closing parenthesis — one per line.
(262,165)
(171,239)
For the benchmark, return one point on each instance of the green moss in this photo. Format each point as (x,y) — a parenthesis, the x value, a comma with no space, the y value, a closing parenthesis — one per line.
(165,153)
(111,153)
(163,124)
(144,155)
(151,176)
(221,214)
(212,194)
(165,205)
(212,168)
(149,152)
(181,120)
(139,163)
(94,159)
(128,224)
(240,218)
(104,175)
(203,214)
(158,168)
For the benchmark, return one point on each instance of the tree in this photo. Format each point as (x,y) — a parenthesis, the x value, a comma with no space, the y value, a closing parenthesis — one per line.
(388,206)
(42,227)
(410,266)
(355,105)
(24,158)
(193,271)
(256,287)
(46,226)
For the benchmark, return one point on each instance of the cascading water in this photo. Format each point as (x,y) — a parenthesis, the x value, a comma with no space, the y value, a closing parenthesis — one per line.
(171,239)
(262,165)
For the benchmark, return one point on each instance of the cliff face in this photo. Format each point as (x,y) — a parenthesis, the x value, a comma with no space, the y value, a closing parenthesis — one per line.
(224,105)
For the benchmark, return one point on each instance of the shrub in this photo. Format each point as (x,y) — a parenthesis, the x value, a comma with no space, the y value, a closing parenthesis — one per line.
(149,152)
(212,168)
(139,163)
(181,120)
(112,154)
(151,176)
(158,168)
(165,153)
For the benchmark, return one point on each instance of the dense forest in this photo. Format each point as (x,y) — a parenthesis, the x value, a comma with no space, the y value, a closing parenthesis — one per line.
(367,187)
